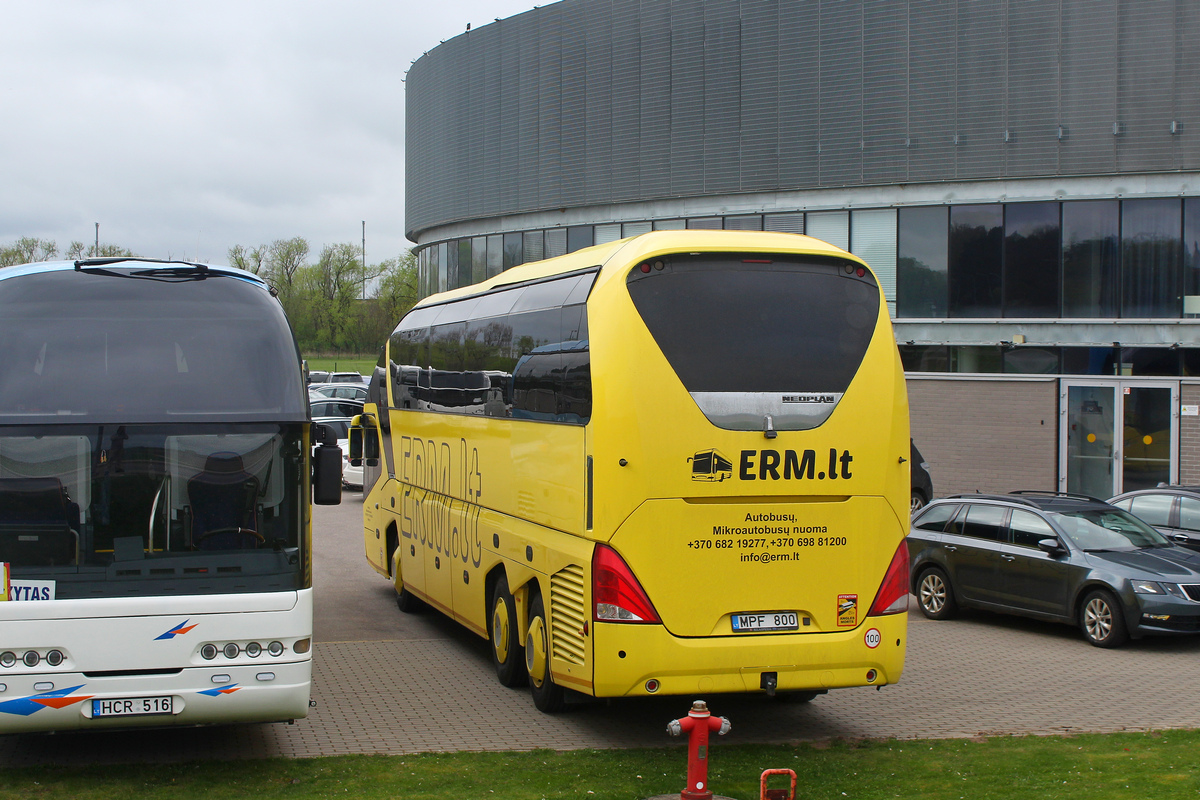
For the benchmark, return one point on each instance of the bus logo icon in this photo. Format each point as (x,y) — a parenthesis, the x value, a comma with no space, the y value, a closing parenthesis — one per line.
(710,465)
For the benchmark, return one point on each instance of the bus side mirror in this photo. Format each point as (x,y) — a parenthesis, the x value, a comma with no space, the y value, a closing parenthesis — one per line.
(326,467)
(364,442)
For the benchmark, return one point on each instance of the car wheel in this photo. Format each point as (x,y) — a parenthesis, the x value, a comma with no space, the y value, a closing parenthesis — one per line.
(507,655)
(935,596)
(917,502)
(547,695)
(1102,620)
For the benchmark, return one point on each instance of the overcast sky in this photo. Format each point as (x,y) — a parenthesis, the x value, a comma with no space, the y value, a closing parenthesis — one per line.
(187,128)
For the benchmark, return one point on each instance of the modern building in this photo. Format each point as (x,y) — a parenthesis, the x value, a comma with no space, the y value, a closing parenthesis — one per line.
(1024,177)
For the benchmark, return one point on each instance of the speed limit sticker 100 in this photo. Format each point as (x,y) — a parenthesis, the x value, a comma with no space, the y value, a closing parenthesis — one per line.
(872,638)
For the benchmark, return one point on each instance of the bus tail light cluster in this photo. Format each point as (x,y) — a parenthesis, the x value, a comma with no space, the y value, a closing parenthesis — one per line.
(616,594)
(892,597)
(232,650)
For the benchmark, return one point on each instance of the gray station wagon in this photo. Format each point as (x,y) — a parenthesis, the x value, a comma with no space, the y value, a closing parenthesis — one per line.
(1056,557)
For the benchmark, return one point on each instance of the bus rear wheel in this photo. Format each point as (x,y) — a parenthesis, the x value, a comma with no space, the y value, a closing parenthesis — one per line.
(507,654)
(547,695)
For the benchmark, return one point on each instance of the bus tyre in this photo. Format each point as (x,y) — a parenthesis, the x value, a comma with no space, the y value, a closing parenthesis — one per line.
(1102,620)
(547,696)
(406,601)
(934,595)
(507,654)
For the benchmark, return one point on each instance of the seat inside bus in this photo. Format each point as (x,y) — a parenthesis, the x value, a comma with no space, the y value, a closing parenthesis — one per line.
(222,501)
(39,524)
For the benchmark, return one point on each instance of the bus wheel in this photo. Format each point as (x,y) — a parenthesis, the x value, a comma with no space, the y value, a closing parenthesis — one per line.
(506,639)
(547,696)
(406,601)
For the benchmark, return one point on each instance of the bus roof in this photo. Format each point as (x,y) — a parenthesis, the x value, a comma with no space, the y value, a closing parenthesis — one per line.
(41,267)
(642,246)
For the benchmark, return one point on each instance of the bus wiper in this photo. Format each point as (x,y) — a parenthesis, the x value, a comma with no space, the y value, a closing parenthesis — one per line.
(172,271)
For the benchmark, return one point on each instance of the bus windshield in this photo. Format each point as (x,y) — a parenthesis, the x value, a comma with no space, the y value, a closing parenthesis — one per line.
(127,510)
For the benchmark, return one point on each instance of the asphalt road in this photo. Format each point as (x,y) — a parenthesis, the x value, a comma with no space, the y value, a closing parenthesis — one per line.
(388,682)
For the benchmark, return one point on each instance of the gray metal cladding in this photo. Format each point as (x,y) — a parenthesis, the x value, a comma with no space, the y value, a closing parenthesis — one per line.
(592,102)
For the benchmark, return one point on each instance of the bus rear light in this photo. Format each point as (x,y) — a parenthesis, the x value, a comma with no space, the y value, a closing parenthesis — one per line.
(31,658)
(860,272)
(231,650)
(8,658)
(275,648)
(645,268)
(54,658)
(254,649)
(892,597)
(302,645)
(208,652)
(616,594)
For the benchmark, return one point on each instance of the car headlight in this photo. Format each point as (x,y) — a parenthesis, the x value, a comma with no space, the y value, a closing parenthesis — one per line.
(1147,587)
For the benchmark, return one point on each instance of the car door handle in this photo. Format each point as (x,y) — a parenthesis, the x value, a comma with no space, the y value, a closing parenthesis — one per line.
(1007,557)
(951,548)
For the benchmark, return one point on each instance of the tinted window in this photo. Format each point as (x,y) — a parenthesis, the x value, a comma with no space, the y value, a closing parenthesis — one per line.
(734,324)
(1031,249)
(517,352)
(145,344)
(1151,274)
(1090,232)
(1152,508)
(976,244)
(1189,514)
(985,522)
(935,518)
(921,262)
(1028,528)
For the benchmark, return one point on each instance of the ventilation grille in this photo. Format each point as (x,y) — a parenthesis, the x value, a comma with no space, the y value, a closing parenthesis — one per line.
(568,615)
(1193,591)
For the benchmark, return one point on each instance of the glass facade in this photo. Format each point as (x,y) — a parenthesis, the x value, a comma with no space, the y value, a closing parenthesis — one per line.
(1076,259)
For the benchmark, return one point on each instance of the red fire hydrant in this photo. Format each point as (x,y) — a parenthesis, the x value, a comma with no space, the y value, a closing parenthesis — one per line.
(696,725)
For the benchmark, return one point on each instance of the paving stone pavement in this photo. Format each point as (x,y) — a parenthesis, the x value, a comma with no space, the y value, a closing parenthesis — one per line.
(387,682)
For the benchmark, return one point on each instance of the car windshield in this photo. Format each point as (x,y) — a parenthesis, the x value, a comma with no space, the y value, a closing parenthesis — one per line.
(1097,529)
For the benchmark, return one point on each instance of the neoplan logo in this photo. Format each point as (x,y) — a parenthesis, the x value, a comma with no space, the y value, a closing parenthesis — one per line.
(710,465)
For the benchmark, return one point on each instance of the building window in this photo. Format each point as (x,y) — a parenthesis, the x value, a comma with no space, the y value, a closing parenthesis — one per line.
(1191,257)
(830,226)
(670,224)
(1150,268)
(784,223)
(1031,254)
(1090,235)
(921,264)
(479,259)
(579,237)
(976,247)
(1032,360)
(513,250)
(608,233)
(925,357)
(466,264)
(495,255)
(873,239)
(635,229)
(556,242)
(705,223)
(751,222)
(534,250)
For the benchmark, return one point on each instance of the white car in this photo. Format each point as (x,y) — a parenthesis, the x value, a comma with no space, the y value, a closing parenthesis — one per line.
(352,477)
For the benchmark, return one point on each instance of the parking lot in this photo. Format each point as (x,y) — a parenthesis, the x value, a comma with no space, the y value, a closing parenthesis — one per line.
(387,682)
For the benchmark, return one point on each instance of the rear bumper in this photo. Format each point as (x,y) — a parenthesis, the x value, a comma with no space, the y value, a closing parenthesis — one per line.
(627,656)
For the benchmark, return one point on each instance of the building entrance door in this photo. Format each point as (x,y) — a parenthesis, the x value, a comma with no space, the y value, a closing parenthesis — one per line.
(1117,435)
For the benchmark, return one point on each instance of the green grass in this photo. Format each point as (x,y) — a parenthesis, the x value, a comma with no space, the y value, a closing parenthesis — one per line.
(362,363)
(1155,765)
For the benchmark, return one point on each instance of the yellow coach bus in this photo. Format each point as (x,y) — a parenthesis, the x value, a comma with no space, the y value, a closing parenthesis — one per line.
(672,464)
